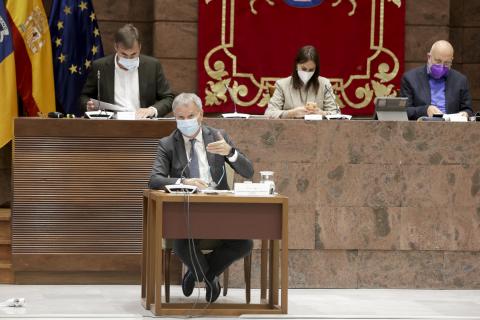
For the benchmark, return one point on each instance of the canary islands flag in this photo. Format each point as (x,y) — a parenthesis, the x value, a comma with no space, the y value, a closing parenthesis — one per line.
(8,87)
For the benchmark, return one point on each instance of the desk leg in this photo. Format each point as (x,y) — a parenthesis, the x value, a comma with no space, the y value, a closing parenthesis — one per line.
(284,265)
(158,257)
(284,278)
(150,263)
(144,249)
(274,266)
(263,270)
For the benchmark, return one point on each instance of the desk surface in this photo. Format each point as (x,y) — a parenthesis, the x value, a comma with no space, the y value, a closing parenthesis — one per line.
(216,198)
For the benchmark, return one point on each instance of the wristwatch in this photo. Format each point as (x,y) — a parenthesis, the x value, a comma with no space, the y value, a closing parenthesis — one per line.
(231,153)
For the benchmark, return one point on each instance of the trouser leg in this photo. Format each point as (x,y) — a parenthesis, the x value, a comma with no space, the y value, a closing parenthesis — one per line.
(188,251)
(227,253)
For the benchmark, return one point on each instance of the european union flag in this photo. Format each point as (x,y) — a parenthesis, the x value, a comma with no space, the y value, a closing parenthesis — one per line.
(76,43)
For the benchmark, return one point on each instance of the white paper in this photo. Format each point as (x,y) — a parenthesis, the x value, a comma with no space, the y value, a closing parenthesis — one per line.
(126,115)
(213,191)
(313,117)
(455,117)
(338,116)
(102,105)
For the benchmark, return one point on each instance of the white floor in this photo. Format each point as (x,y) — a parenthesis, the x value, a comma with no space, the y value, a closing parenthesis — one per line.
(123,302)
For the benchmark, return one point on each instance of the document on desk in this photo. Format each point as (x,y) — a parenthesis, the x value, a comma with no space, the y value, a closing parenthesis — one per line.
(107,106)
(313,117)
(213,191)
(338,117)
(455,117)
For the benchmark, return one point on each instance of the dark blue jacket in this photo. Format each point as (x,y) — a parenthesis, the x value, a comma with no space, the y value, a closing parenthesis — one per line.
(416,88)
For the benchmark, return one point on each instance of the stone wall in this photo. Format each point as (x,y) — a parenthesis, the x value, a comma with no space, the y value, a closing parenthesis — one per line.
(372,204)
(465,36)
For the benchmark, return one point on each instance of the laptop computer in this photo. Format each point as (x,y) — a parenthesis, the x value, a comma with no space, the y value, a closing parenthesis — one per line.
(391,109)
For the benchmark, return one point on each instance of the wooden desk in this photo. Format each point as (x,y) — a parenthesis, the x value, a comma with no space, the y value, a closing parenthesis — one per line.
(236,217)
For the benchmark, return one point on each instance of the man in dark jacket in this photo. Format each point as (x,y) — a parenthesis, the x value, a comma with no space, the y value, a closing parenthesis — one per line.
(196,155)
(128,79)
(436,88)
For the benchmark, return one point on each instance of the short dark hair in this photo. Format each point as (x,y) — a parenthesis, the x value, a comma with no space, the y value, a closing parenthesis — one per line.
(127,36)
(306,53)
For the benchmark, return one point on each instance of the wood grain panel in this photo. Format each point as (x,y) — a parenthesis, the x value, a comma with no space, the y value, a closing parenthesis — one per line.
(79,195)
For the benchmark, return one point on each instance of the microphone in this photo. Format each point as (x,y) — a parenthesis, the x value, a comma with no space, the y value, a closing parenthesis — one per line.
(235,114)
(334,99)
(214,184)
(98,88)
(180,187)
(183,170)
(102,113)
(231,97)
(102,110)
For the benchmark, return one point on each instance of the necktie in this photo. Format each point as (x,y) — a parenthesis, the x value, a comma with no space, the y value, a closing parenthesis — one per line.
(194,169)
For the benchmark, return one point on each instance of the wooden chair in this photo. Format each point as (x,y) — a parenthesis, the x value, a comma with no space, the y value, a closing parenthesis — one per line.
(208,245)
(271,90)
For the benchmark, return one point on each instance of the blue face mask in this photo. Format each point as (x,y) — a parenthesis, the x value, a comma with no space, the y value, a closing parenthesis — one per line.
(188,127)
(129,64)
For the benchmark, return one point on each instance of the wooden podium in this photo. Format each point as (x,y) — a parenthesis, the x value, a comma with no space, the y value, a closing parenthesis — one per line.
(233,217)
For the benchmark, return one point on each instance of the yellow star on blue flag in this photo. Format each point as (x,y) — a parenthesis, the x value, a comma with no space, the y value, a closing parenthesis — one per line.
(76,44)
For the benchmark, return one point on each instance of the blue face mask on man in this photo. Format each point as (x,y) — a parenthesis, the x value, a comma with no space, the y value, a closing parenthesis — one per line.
(188,127)
(129,64)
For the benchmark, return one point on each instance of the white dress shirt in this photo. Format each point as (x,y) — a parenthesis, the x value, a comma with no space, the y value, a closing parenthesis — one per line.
(201,151)
(127,92)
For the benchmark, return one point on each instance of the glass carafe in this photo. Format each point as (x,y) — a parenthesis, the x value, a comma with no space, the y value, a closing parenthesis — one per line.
(267,177)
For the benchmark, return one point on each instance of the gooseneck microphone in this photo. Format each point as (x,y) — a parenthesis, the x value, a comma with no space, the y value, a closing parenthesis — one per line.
(183,170)
(98,88)
(332,96)
(231,97)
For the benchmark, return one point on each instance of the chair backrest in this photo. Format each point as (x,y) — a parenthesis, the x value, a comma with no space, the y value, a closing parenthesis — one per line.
(230,173)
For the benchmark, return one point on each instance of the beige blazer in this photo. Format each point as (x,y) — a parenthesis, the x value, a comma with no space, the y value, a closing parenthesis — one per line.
(286,98)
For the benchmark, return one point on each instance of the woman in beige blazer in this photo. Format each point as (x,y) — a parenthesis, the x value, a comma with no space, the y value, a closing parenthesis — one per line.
(304,92)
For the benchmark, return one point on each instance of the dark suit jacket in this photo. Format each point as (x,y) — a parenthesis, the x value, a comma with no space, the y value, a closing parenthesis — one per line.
(171,161)
(154,89)
(416,88)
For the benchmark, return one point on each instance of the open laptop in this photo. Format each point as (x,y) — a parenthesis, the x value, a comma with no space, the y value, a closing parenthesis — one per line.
(391,109)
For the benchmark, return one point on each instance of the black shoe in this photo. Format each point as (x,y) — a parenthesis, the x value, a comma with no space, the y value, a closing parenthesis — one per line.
(213,293)
(188,283)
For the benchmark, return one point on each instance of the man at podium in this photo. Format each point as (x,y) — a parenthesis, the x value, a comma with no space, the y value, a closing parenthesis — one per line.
(195,154)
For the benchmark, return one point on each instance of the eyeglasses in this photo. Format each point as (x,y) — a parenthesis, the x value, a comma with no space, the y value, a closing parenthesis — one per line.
(444,63)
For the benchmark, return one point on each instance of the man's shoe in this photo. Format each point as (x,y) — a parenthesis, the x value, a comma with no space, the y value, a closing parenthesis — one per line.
(213,290)
(188,283)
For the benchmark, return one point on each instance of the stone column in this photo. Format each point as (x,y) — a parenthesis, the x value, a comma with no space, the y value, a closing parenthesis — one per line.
(426,21)
(175,42)
(112,14)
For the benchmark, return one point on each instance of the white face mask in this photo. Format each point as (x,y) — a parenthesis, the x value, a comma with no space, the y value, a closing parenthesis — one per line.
(129,64)
(188,127)
(305,76)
